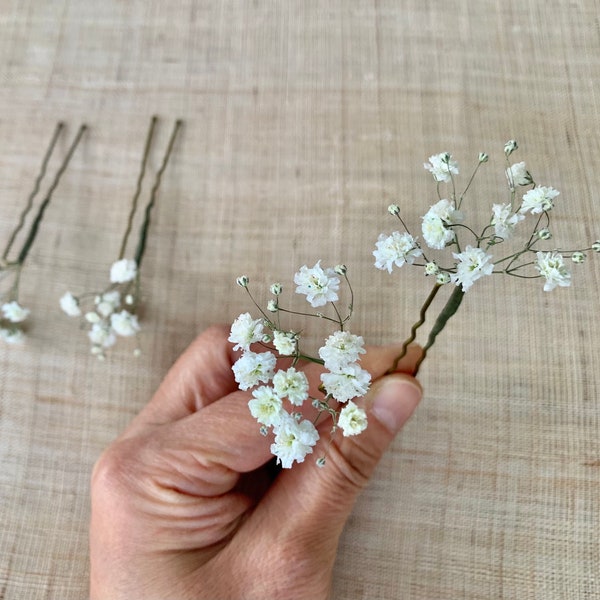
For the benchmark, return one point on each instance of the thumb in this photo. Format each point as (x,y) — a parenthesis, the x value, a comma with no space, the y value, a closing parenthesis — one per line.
(327,494)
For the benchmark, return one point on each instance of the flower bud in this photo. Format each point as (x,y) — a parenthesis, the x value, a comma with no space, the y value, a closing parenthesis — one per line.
(445,156)
(129,299)
(263,430)
(442,278)
(510,147)
(596,246)
(137,352)
(578,257)
(276,289)
(242,281)
(394,209)
(340,269)
(266,338)
(544,234)
(431,269)
(272,306)
(320,462)
(483,157)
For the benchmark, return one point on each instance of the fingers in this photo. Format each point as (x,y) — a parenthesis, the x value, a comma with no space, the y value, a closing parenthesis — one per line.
(319,500)
(201,375)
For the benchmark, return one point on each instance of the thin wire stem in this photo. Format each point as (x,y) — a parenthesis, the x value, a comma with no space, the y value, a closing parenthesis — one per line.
(138,188)
(36,189)
(40,215)
(139,254)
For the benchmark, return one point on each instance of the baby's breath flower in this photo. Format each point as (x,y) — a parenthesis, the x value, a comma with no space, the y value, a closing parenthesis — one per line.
(394,209)
(272,306)
(276,289)
(472,264)
(293,441)
(340,269)
(352,419)
(544,234)
(265,406)
(431,269)
(578,257)
(242,281)
(12,335)
(538,199)
(70,305)
(101,335)
(504,220)
(124,323)
(14,312)
(291,384)
(442,278)
(349,382)
(319,285)
(129,299)
(441,166)
(123,271)
(551,266)
(396,249)
(245,331)
(518,174)
(285,342)
(596,246)
(252,368)
(341,349)
(483,157)
(92,317)
(510,147)
(434,227)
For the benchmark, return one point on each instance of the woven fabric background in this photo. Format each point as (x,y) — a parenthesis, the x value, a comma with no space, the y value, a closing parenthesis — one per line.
(303,121)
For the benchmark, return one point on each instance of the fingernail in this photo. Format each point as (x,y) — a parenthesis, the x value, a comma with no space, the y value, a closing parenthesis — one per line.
(394,401)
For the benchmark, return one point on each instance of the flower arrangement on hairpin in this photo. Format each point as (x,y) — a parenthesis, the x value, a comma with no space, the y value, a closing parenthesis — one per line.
(14,314)
(112,311)
(278,395)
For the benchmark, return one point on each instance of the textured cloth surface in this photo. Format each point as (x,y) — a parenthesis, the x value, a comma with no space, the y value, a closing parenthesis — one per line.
(303,121)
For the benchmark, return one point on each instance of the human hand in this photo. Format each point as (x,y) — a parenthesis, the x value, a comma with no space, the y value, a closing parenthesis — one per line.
(185,503)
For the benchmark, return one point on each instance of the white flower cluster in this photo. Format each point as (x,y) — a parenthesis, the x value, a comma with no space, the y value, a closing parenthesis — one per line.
(112,313)
(444,220)
(281,396)
(11,321)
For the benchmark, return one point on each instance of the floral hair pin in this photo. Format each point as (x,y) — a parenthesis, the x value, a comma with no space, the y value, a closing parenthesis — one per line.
(113,311)
(14,314)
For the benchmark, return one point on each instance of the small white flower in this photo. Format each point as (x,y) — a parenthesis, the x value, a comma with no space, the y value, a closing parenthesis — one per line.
(123,270)
(472,264)
(319,285)
(442,278)
(70,305)
(435,222)
(518,174)
(276,289)
(441,166)
(107,303)
(394,210)
(242,281)
(551,266)
(578,257)
(352,420)
(12,336)
(92,317)
(431,269)
(544,234)
(14,312)
(124,323)
(265,406)
(341,349)
(272,305)
(538,199)
(510,147)
(252,368)
(245,331)
(350,382)
(293,441)
(504,221)
(291,384)
(285,342)
(101,335)
(396,249)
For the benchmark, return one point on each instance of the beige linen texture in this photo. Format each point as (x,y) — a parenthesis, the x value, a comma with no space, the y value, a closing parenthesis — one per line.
(303,121)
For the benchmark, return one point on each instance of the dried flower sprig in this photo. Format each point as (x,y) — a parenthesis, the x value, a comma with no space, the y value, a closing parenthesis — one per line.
(443,229)
(278,404)
(13,313)
(113,311)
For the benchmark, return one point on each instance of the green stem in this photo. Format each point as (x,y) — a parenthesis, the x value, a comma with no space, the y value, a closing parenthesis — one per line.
(447,312)
(138,188)
(141,248)
(36,189)
(40,215)
(413,330)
